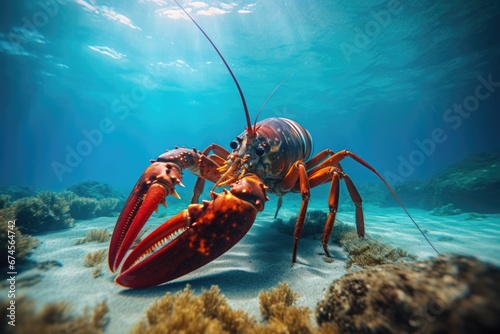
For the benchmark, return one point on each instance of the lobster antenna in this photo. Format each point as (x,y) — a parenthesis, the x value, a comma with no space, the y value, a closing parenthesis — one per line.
(364,163)
(267,99)
(249,124)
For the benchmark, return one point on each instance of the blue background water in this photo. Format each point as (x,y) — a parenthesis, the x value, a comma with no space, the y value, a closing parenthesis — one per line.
(155,82)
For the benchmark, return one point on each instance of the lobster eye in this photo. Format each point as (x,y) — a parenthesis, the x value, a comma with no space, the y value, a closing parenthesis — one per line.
(234,144)
(259,150)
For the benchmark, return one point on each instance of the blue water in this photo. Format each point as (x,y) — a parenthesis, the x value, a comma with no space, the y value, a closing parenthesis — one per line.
(138,79)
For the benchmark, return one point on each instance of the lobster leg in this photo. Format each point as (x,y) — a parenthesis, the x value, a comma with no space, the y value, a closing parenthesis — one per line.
(356,198)
(298,172)
(219,157)
(333,204)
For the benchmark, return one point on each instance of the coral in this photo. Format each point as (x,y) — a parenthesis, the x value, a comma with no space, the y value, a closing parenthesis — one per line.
(314,223)
(447,294)
(445,210)
(94,259)
(83,207)
(46,212)
(94,235)
(24,244)
(54,318)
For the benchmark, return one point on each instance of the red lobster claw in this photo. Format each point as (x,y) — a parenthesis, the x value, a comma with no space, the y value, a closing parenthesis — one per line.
(192,238)
(155,184)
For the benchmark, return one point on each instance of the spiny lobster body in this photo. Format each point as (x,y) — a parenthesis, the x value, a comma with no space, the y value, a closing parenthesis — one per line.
(273,155)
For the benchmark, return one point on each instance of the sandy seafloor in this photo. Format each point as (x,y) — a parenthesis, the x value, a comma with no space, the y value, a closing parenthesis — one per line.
(259,261)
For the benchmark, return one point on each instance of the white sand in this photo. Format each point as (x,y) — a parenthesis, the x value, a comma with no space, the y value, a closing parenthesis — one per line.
(260,261)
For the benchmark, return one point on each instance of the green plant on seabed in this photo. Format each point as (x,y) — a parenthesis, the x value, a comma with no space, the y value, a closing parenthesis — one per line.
(24,243)
(48,211)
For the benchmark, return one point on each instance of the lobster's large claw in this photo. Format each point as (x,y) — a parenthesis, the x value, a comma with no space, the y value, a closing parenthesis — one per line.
(195,236)
(155,184)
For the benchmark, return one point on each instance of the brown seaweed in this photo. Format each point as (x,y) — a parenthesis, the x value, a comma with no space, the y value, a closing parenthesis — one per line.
(95,258)
(54,318)
(94,235)
(210,312)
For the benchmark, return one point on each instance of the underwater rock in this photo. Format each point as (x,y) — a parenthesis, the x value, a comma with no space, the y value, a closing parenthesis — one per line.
(369,252)
(18,192)
(411,194)
(446,210)
(97,190)
(447,294)
(95,199)
(472,184)
(314,223)
(475,216)
(48,211)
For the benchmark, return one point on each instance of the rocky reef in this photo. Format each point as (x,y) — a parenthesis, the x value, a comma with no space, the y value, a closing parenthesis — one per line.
(37,212)
(472,184)
(17,192)
(447,294)
(97,190)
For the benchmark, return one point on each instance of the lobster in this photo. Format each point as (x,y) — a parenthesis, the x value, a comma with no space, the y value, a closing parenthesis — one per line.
(271,156)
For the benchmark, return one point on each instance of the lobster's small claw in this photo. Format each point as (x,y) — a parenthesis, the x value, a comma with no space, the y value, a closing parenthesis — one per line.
(155,184)
(195,236)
